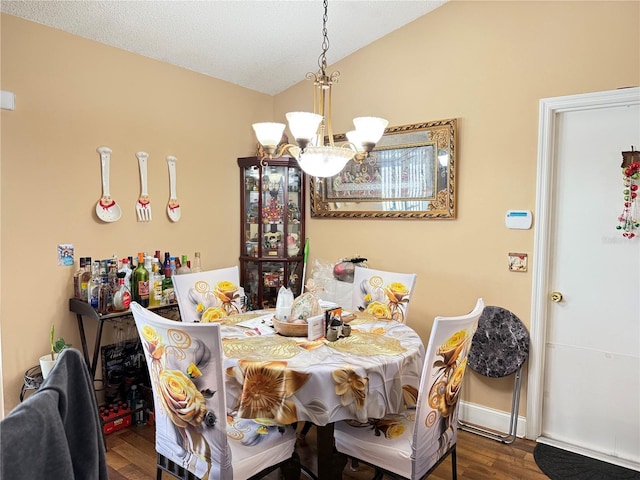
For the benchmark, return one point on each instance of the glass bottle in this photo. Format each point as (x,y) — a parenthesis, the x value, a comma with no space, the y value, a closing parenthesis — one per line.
(155,281)
(141,283)
(197,263)
(183,268)
(122,295)
(172,265)
(167,262)
(168,293)
(85,279)
(77,279)
(112,276)
(126,269)
(93,288)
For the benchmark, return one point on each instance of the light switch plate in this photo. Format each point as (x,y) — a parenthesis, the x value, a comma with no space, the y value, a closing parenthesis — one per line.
(7,100)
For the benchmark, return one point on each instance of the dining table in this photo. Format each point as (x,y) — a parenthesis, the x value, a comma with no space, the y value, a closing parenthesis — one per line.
(372,372)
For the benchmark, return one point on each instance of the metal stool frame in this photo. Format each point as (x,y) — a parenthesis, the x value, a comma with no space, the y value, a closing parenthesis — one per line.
(510,436)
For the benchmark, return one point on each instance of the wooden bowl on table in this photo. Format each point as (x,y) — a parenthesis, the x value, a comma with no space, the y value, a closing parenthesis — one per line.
(287,329)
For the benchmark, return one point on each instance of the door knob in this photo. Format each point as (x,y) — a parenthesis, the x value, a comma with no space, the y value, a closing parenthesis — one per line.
(556,297)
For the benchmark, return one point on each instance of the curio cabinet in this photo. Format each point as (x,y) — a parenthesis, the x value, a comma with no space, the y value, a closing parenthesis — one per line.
(272,228)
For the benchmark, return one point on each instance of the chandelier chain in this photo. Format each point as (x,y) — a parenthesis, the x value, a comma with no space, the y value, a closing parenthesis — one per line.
(322,59)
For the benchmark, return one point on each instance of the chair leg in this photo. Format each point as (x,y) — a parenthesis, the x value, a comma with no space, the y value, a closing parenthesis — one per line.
(454,464)
(291,468)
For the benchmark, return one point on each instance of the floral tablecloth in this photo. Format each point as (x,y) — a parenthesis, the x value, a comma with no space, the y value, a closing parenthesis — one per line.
(373,372)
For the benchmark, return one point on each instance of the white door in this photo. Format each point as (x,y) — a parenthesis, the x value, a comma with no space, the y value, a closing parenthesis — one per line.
(586,390)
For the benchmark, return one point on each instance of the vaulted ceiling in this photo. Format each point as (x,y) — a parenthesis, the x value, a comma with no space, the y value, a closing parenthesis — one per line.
(266,45)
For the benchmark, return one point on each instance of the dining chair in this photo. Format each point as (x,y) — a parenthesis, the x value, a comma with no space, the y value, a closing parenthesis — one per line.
(382,294)
(410,445)
(207,296)
(196,436)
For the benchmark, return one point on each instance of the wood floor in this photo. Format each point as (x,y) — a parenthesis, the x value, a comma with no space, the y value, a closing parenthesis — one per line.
(131,455)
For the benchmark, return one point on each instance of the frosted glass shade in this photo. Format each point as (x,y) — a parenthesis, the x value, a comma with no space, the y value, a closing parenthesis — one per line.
(303,125)
(269,133)
(354,137)
(370,129)
(324,161)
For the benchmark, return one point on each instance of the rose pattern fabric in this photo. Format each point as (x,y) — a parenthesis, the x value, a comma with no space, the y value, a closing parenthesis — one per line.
(442,397)
(176,365)
(181,399)
(213,303)
(387,302)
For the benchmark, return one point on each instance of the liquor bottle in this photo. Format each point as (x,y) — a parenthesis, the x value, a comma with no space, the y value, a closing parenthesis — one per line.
(167,261)
(126,269)
(112,276)
(155,284)
(168,293)
(172,265)
(176,265)
(105,296)
(122,295)
(93,289)
(184,268)
(85,279)
(141,282)
(77,280)
(197,263)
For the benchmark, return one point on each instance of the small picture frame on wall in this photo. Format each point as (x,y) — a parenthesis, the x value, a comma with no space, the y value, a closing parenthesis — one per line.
(517,262)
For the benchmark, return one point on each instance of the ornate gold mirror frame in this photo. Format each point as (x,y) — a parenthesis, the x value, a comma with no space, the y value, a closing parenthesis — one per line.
(411,174)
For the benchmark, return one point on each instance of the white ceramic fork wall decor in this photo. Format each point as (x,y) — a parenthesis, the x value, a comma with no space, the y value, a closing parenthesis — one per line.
(143,205)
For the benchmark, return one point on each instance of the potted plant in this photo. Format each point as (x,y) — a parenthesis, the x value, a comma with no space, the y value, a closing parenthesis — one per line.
(57,345)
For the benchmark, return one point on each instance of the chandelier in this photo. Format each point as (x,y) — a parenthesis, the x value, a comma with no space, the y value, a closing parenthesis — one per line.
(315,155)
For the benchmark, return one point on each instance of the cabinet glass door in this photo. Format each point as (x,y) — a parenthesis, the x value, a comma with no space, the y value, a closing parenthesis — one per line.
(272,229)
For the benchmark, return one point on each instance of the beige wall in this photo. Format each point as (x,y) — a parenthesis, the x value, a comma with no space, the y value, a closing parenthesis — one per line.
(487,64)
(73,95)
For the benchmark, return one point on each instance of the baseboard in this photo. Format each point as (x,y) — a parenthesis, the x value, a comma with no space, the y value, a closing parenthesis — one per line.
(489,418)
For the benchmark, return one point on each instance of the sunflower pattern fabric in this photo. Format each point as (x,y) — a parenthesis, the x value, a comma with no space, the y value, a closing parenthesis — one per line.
(411,442)
(210,296)
(384,295)
(194,429)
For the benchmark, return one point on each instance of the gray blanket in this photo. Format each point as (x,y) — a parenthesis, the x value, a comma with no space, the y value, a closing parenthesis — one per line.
(56,432)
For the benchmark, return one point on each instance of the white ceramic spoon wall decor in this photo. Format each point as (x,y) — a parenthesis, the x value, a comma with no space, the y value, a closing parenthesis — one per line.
(173,207)
(107,209)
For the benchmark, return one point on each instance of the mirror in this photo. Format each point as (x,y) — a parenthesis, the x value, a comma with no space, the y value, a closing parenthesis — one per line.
(410,174)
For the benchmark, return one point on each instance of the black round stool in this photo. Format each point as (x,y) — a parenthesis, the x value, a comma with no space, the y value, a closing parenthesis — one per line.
(499,348)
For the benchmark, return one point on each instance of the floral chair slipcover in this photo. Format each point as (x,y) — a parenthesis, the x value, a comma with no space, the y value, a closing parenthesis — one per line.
(382,294)
(194,430)
(411,444)
(208,296)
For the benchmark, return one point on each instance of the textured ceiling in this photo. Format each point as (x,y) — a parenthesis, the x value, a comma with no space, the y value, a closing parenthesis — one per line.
(265,45)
